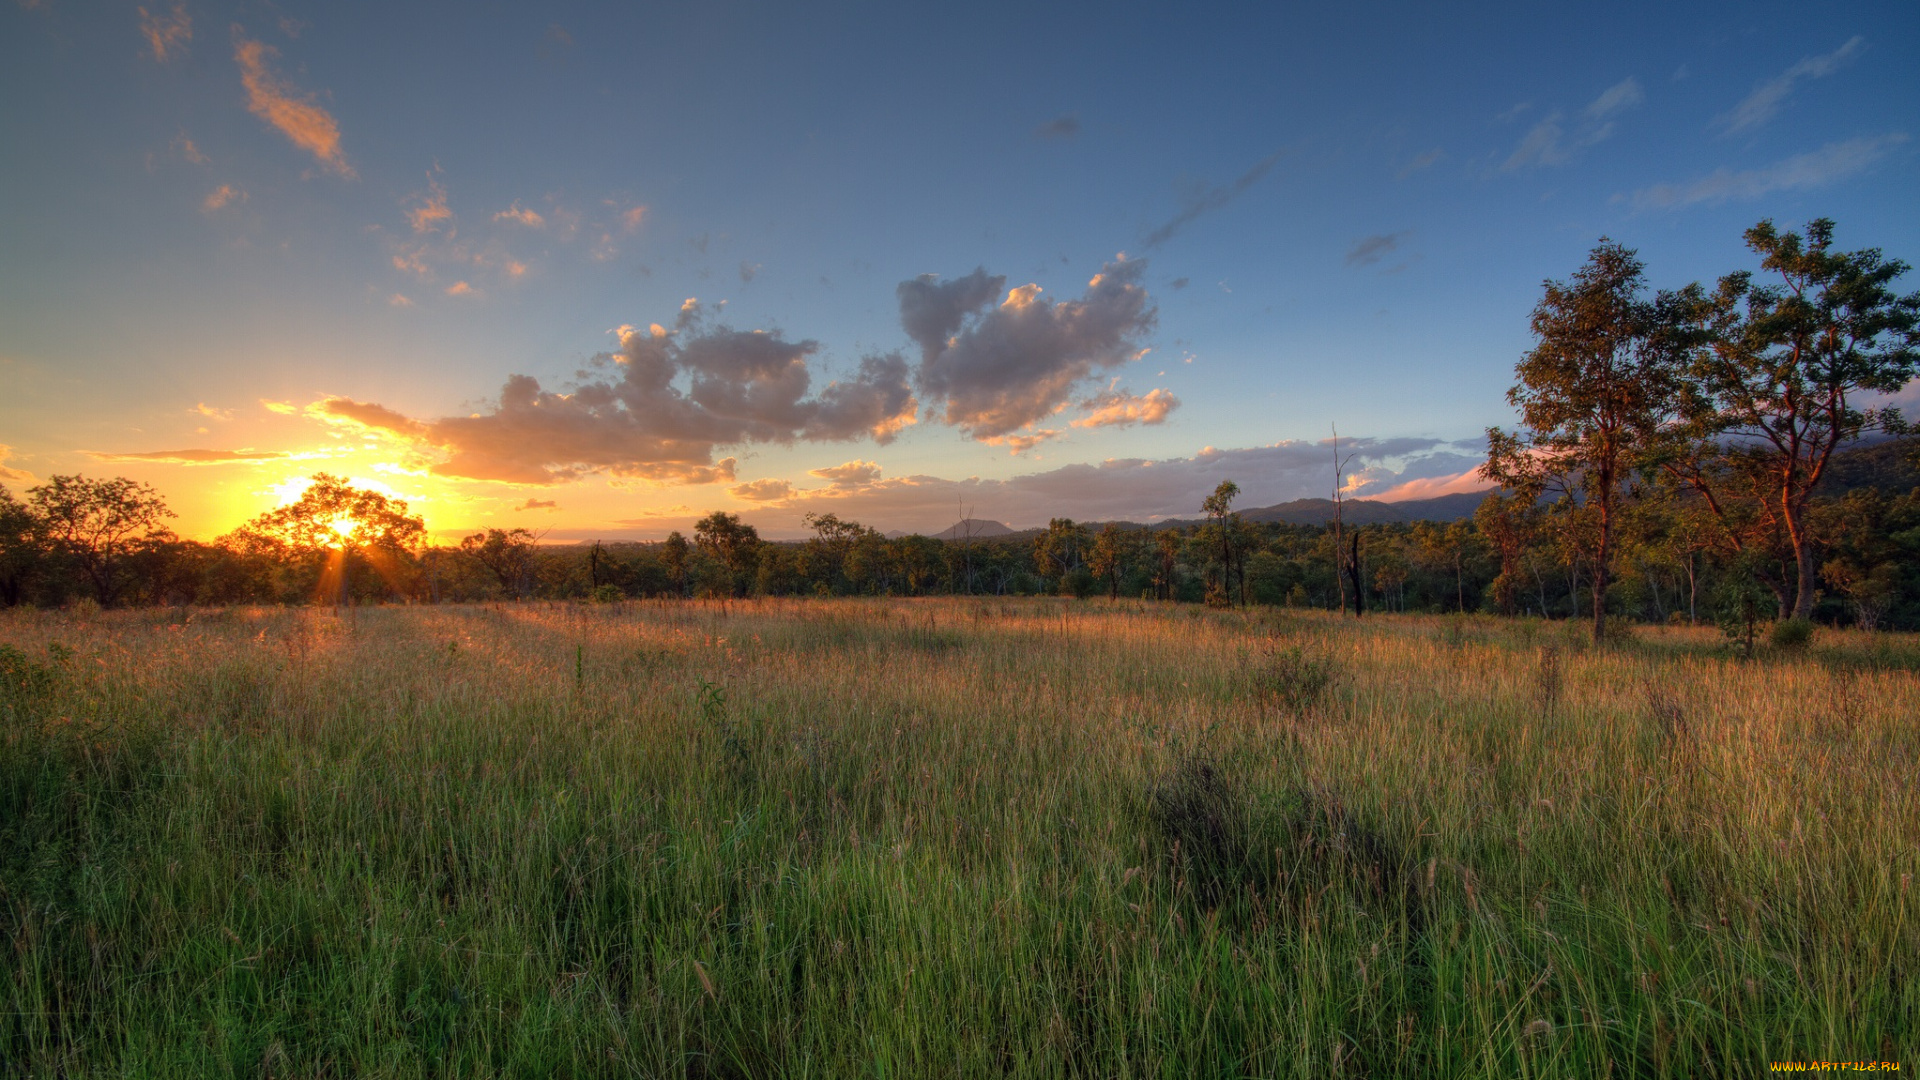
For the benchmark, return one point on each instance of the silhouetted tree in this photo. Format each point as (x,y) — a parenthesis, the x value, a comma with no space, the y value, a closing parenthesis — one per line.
(330,523)
(507,554)
(98,523)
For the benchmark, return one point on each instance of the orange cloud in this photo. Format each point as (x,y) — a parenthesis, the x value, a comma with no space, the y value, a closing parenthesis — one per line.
(368,414)
(761,491)
(222,196)
(630,219)
(433,210)
(310,127)
(848,474)
(167,33)
(1121,409)
(397,300)
(1020,444)
(192,457)
(1432,487)
(16,475)
(184,148)
(413,262)
(459,288)
(521,215)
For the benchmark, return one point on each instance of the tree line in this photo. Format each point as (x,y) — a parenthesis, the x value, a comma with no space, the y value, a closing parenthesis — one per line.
(1680,455)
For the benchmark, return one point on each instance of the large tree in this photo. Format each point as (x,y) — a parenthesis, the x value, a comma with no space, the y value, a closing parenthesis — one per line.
(1594,394)
(99,523)
(734,543)
(1779,379)
(330,523)
(507,554)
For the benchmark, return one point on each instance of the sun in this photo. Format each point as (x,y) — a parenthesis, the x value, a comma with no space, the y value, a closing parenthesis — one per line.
(344,527)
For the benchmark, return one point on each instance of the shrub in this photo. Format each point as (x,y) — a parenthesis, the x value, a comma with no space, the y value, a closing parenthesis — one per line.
(1791,634)
(1205,817)
(1295,680)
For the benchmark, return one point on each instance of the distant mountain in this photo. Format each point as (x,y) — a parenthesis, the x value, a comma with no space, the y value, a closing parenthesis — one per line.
(1370,512)
(973,528)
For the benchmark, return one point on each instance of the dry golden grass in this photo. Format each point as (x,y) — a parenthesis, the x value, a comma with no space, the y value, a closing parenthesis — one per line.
(954,836)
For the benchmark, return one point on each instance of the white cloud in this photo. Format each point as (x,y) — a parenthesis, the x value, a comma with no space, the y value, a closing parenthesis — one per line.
(1623,95)
(1830,163)
(1760,106)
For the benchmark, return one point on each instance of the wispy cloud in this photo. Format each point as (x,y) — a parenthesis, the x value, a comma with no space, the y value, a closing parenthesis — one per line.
(1136,489)
(307,125)
(1540,146)
(224,195)
(1549,143)
(185,150)
(459,288)
(167,35)
(1371,249)
(1420,163)
(1760,106)
(1206,200)
(191,457)
(538,504)
(1060,127)
(431,213)
(1619,97)
(1829,164)
(1019,442)
(18,476)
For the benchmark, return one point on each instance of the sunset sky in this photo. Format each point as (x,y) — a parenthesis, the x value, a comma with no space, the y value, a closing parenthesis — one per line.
(596,270)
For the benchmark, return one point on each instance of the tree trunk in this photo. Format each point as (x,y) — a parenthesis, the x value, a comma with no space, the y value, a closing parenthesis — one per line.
(1600,588)
(1353,570)
(1803,558)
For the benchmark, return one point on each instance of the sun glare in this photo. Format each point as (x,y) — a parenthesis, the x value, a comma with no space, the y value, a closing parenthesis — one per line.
(343,526)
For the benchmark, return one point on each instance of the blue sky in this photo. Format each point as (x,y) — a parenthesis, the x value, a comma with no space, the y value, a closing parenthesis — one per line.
(242,243)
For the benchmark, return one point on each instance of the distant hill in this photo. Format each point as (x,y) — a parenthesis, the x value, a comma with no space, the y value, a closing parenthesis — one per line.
(973,528)
(1889,466)
(1369,511)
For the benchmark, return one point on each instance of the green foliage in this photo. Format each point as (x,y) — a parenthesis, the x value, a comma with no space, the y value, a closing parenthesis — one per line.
(1791,634)
(1740,607)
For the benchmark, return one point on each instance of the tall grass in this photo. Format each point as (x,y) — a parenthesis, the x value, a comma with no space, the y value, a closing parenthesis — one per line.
(951,837)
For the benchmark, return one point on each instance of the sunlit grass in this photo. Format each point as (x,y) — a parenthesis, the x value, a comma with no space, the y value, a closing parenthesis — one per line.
(953,837)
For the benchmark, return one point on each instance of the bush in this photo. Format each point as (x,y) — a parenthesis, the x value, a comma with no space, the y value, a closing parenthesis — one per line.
(1791,634)
(1295,680)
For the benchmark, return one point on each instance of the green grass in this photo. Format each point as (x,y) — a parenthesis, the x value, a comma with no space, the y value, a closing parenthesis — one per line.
(953,837)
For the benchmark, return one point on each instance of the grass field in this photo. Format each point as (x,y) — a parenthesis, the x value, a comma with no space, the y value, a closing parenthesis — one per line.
(954,837)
